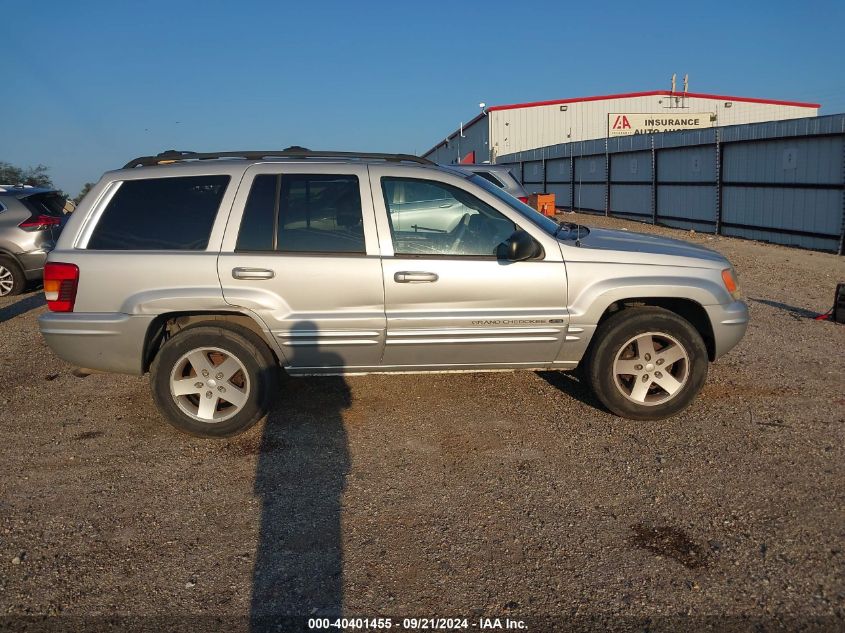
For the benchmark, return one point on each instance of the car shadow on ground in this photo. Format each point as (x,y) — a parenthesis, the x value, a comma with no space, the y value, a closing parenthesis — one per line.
(573,385)
(795,312)
(300,479)
(22,305)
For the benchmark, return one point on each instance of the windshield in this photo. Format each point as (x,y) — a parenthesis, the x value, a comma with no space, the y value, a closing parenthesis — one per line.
(561,230)
(532,215)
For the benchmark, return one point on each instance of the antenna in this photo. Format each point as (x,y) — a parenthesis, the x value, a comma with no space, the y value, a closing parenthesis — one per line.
(674,76)
(686,82)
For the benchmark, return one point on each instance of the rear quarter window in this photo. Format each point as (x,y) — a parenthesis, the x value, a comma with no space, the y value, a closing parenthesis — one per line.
(160,214)
(491,178)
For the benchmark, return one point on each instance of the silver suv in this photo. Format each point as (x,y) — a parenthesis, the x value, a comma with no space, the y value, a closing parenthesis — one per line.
(31,219)
(211,271)
(499,175)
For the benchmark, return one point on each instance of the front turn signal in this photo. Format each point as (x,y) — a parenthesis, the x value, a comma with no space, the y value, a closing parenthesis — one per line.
(729,279)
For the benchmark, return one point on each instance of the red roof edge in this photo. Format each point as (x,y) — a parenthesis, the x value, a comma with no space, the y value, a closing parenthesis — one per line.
(654,93)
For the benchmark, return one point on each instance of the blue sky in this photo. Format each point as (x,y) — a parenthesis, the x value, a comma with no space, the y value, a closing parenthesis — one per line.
(89,85)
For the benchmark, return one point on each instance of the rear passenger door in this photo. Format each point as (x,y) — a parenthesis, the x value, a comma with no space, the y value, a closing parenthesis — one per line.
(301,252)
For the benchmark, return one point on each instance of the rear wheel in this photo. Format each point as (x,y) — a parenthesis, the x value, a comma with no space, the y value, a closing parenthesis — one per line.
(12,279)
(647,363)
(214,381)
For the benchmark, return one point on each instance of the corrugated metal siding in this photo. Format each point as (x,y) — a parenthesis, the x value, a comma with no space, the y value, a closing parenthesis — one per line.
(782,181)
(792,160)
(630,167)
(687,206)
(687,164)
(631,200)
(590,197)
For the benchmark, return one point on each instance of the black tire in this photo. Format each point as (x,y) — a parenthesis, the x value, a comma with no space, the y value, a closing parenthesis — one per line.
(262,378)
(18,278)
(612,338)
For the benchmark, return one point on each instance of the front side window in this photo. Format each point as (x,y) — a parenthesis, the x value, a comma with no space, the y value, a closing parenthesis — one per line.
(433,218)
(303,213)
(160,214)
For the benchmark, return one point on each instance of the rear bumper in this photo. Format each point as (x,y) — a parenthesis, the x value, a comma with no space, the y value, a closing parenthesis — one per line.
(729,321)
(106,342)
(33,264)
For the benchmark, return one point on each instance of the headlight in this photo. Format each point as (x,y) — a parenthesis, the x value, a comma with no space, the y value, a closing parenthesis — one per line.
(731,283)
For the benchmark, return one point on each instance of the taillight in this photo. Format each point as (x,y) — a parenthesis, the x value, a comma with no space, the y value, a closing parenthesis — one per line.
(39,222)
(60,283)
(523,199)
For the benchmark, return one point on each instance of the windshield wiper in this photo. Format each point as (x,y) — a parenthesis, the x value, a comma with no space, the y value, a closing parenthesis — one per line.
(564,225)
(572,227)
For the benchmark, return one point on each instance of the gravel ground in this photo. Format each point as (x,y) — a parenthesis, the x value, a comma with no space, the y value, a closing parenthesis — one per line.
(496,495)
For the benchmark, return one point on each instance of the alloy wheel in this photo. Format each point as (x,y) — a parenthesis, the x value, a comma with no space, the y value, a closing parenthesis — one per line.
(7,281)
(651,368)
(209,384)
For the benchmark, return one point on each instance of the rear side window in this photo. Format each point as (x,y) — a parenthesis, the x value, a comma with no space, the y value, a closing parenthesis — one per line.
(46,204)
(160,214)
(303,213)
(491,178)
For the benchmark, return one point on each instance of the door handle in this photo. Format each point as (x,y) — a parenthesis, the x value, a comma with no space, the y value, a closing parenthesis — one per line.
(252,273)
(413,276)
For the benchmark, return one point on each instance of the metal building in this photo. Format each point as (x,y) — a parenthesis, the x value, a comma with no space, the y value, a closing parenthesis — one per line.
(778,181)
(506,129)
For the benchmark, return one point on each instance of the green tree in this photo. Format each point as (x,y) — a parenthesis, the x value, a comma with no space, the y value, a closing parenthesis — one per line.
(85,189)
(36,176)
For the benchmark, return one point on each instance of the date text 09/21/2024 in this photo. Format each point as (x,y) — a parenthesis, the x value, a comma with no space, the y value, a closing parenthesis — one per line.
(416,624)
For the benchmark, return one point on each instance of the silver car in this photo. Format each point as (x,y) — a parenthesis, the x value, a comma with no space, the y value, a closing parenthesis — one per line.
(499,175)
(213,271)
(31,219)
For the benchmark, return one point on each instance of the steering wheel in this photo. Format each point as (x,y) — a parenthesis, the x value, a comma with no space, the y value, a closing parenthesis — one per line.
(460,231)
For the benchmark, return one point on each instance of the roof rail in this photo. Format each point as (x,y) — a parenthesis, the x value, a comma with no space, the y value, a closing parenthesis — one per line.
(172,156)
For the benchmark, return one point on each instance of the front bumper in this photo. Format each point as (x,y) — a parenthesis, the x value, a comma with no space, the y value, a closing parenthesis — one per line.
(729,322)
(106,342)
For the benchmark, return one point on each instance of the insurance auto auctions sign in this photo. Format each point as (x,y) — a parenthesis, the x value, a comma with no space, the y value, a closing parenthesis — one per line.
(628,124)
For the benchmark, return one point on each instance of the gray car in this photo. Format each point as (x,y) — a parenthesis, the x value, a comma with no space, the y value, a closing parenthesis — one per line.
(31,220)
(499,175)
(213,271)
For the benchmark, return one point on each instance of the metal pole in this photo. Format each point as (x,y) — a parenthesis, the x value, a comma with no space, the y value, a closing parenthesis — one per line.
(842,233)
(718,182)
(653,182)
(606,178)
(544,174)
(572,177)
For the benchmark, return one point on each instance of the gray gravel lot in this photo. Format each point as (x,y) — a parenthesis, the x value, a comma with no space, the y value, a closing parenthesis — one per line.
(498,494)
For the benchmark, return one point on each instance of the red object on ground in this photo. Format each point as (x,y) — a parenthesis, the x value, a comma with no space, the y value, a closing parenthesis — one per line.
(543,202)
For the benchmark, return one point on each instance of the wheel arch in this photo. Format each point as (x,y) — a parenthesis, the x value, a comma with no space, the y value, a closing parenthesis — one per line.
(166,325)
(688,309)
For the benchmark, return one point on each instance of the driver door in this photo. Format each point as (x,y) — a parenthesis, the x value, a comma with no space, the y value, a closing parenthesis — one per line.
(450,302)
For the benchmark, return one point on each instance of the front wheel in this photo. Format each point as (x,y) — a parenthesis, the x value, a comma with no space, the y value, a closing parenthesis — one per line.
(647,363)
(213,381)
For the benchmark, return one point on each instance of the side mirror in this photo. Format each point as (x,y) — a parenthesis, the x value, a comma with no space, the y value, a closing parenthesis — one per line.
(521,246)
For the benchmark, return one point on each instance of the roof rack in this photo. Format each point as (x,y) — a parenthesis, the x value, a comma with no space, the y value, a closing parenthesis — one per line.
(172,156)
